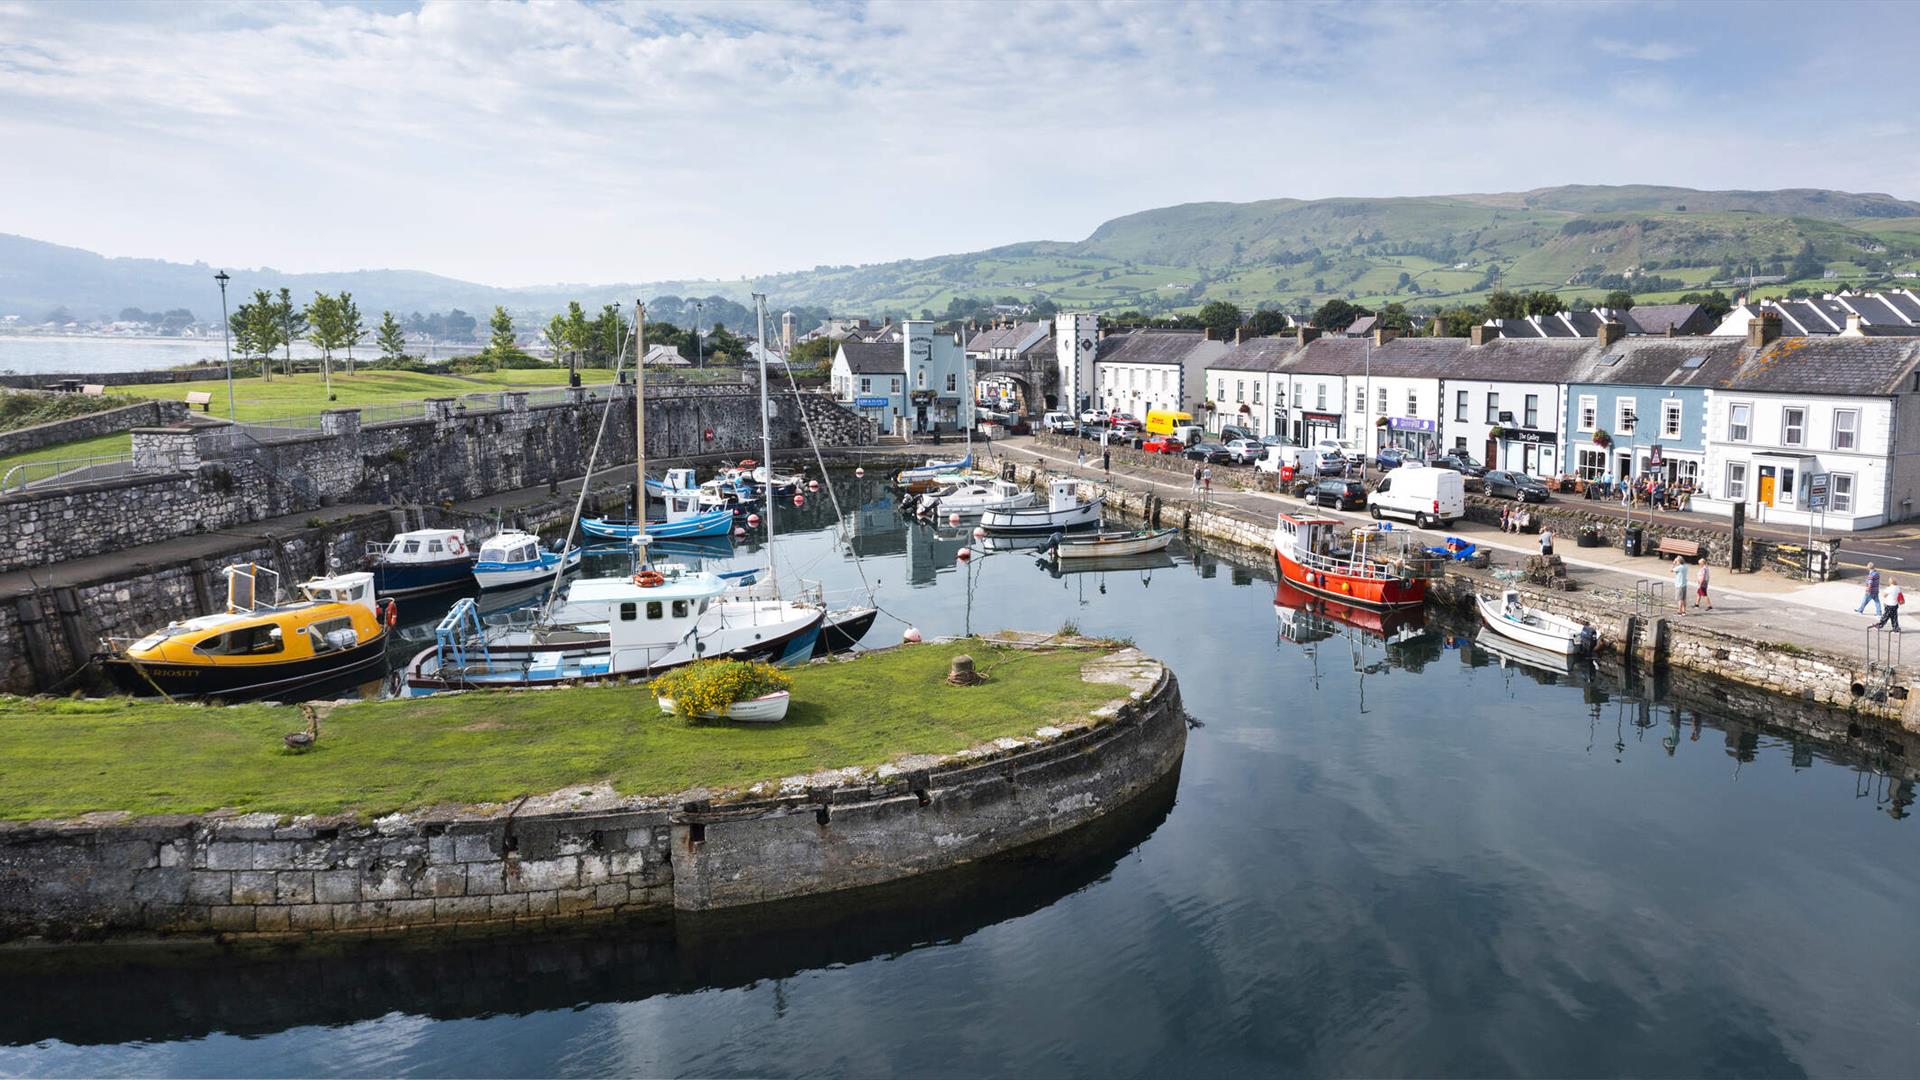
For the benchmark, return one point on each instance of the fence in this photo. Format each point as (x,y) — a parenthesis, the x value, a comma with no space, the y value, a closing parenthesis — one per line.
(388,414)
(255,432)
(65,472)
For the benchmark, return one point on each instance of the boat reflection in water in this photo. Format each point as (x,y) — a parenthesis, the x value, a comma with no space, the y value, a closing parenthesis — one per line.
(1305,618)
(111,994)
(1509,653)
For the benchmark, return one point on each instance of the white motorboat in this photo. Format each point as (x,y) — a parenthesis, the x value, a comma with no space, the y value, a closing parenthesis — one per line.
(1108,544)
(1065,510)
(1535,627)
(975,497)
(516,558)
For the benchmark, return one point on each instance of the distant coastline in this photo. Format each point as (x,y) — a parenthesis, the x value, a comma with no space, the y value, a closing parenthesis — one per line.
(28,353)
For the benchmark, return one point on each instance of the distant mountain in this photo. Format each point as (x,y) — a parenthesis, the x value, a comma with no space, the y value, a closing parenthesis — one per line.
(1291,253)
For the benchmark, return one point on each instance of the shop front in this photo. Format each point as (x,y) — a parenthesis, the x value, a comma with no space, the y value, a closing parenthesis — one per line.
(1315,426)
(1527,450)
(1419,438)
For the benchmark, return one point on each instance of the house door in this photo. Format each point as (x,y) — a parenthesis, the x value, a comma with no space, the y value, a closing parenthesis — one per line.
(1493,454)
(1766,485)
(1625,467)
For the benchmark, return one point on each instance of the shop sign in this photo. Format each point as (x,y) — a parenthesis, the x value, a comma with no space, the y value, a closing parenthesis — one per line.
(1408,423)
(1525,435)
(870,402)
(1321,418)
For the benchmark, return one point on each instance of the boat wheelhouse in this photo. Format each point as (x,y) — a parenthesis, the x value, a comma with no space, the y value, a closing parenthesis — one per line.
(1373,566)
(421,561)
(516,558)
(261,647)
(1065,510)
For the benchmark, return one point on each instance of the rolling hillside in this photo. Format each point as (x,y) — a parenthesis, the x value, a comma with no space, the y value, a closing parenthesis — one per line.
(1293,254)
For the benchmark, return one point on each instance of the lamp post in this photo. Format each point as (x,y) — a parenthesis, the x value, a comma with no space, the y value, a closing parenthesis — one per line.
(699,358)
(226,338)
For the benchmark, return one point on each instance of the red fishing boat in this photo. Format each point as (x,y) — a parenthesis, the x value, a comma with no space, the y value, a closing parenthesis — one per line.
(1371,567)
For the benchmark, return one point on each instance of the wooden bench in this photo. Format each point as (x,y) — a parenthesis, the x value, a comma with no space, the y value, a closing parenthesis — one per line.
(1686,548)
(202,398)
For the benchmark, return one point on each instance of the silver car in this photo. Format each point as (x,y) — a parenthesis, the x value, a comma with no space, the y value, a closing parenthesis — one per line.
(1245,451)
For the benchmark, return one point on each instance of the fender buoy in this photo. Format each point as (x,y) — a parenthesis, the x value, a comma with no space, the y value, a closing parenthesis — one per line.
(747,463)
(649,579)
(457,546)
(709,434)
(859,471)
(388,612)
(799,500)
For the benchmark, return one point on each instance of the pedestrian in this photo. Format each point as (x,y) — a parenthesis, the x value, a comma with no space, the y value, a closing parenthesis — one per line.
(1546,541)
(1106,462)
(1080,456)
(1680,582)
(1206,483)
(1873,591)
(1891,617)
(1196,479)
(1626,492)
(1506,519)
(1701,599)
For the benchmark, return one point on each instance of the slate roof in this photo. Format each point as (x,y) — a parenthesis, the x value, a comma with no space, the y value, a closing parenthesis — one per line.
(1361,326)
(1020,336)
(1904,302)
(1661,361)
(1506,360)
(869,358)
(1400,358)
(1828,365)
(1149,346)
(1256,354)
(1655,318)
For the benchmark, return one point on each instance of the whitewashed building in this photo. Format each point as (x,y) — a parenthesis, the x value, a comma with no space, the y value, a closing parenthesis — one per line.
(871,380)
(1076,341)
(1506,400)
(1247,385)
(1154,370)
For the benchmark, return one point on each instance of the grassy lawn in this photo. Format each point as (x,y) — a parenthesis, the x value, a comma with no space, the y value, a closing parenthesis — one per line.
(100,446)
(304,394)
(63,757)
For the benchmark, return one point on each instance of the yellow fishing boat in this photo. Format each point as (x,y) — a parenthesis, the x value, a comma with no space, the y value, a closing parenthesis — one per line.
(262,647)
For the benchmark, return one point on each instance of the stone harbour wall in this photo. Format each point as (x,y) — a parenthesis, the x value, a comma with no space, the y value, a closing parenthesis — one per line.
(37,380)
(92,425)
(588,852)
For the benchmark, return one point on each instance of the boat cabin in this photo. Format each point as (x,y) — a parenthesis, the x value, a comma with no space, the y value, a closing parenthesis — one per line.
(422,546)
(681,480)
(335,614)
(512,546)
(1305,538)
(1063,494)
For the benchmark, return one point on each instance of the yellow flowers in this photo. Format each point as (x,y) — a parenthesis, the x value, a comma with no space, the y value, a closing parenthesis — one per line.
(707,687)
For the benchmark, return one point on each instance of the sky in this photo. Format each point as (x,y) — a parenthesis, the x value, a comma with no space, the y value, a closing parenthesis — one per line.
(536,143)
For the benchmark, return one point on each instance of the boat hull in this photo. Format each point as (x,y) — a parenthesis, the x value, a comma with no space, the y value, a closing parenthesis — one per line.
(766,709)
(1108,547)
(246,682)
(1546,633)
(1383,593)
(418,579)
(507,575)
(843,630)
(1043,519)
(705,524)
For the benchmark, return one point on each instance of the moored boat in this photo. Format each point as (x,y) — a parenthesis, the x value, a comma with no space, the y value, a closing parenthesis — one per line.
(973,497)
(262,648)
(684,519)
(1065,510)
(516,558)
(421,561)
(1535,627)
(1368,567)
(1109,544)
(935,469)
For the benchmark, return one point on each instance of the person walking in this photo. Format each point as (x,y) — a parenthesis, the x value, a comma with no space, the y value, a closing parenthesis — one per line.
(1206,483)
(1080,457)
(1106,462)
(1196,479)
(1680,583)
(1546,542)
(1872,595)
(1890,618)
(1701,599)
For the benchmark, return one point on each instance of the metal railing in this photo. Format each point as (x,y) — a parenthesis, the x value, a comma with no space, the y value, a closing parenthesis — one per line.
(387,414)
(61,472)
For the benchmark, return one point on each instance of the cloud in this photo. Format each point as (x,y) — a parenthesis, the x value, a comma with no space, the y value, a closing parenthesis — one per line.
(1654,52)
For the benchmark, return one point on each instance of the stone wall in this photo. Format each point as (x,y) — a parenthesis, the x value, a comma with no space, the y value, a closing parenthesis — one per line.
(37,380)
(206,479)
(591,853)
(93,425)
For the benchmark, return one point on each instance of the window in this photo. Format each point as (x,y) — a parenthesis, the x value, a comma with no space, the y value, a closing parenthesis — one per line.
(895,382)
(629,611)
(1359,400)
(1846,429)
(413,547)
(1670,419)
(1381,402)
(434,548)
(1493,408)
(1220,390)
(1739,424)
(866,386)
(1840,492)
(1320,397)
(1793,426)
(1736,481)
(952,384)
(1460,406)
(679,609)
(1413,404)
(1590,463)
(321,634)
(1589,412)
(1299,394)
(920,378)
(1256,392)
(655,609)
(1626,415)
(245,641)
(1533,411)
(1239,390)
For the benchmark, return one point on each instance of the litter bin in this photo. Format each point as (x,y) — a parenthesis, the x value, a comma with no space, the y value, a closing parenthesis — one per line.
(1631,543)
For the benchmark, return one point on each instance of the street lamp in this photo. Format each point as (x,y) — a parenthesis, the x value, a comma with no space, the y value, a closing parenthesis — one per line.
(226,338)
(699,360)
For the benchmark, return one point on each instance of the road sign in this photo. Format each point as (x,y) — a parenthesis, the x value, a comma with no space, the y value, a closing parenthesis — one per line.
(1654,458)
(1817,491)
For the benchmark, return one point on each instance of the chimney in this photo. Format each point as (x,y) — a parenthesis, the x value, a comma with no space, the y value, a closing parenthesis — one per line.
(1438,327)
(1854,323)
(1382,335)
(1763,331)
(1481,334)
(1307,333)
(1239,335)
(1611,331)
(1672,330)
(1209,333)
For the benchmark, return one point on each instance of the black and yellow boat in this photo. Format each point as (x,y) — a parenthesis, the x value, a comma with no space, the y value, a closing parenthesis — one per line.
(261,649)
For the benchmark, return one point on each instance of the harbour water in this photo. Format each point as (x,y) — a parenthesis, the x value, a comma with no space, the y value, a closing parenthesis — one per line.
(1378,860)
(54,354)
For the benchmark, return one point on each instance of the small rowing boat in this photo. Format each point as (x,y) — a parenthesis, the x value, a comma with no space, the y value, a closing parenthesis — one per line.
(1535,627)
(1108,544)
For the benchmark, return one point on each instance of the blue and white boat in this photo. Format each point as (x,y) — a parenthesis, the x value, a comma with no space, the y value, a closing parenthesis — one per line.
(684,519)
(677,480)
(421,561)
(516,558)
(934,469)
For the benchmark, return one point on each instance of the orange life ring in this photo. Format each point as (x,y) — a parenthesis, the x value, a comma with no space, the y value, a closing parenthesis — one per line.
(747,463)
(649,579)
(456,545)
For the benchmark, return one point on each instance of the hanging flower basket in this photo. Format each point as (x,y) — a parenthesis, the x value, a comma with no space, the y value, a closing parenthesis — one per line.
(1602,439)
(1496,432)
(1380,422)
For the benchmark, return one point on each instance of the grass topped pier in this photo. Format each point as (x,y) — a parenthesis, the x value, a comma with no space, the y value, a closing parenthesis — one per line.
(60,758)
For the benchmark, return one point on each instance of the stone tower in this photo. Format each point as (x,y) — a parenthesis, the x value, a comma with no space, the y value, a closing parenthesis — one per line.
(1076,338)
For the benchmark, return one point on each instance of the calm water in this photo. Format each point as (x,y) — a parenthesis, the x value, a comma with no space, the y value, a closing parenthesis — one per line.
(1375,861)
(59,353)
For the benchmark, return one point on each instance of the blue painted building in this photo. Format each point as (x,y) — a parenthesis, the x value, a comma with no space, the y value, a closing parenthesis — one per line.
(1647,399)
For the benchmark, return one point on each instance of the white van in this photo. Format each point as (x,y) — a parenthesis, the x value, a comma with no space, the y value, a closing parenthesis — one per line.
(1429,497)
(1298,458)
(1057,421)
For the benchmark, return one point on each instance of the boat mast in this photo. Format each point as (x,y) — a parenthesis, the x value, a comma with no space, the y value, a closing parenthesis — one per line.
(766,440)
(640,425)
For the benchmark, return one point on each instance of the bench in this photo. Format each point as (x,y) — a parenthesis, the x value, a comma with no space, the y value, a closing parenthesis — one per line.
(202,398)
(1685,548)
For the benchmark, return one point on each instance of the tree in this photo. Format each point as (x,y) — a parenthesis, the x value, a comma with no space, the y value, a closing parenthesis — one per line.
(1715,304)
(1267,321)
(1337,314)
(293,324)
(1806,264)
(1394,317)
(1221,318)
(815,354)
(352,329)
(725,346)
(502,345)
(459,325)
(1544,303)
(608,330)
(1502,304)
(1460,321)
(556,335)
(1618,300)
(391,339)
(327,330)
(577,332)
(257,329)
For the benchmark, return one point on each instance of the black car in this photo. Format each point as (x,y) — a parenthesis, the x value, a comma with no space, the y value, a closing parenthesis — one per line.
(1337,493)
(1459,462)
(1231,432)
(1513,485)
(1211,453)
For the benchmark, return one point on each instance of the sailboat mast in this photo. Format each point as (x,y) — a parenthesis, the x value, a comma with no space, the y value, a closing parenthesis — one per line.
(766,438)
(640,421)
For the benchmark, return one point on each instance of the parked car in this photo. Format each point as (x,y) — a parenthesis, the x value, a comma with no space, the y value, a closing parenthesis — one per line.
(1512,485)
(1337,493)
(1462,462)
(1392,457)
(1163,444)
(1095,416)
(1230,432)
(1275,440)
(1245,451)
(1211,453)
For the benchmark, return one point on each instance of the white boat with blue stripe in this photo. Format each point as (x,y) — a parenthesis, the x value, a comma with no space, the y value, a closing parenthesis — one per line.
(516,558)
(684,519)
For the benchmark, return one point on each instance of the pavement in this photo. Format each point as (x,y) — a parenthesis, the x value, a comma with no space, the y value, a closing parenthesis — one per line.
(1764,606)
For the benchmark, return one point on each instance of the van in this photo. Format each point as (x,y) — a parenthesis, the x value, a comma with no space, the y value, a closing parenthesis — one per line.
(1428,497)
(1190,434)
(1303,460)
(1163,423)
(1057,421)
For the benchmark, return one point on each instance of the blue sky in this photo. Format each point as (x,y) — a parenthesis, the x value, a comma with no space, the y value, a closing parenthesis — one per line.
(530,143)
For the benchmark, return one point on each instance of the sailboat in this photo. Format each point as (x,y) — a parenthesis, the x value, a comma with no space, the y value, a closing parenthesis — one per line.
(614,628)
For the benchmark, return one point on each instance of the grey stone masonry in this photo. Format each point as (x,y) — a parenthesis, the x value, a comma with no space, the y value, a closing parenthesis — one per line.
(92,425)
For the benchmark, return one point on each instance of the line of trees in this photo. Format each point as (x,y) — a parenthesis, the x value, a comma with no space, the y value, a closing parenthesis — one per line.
(269,322)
